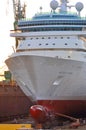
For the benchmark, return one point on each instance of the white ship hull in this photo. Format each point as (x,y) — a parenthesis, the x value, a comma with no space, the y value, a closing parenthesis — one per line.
(49,78)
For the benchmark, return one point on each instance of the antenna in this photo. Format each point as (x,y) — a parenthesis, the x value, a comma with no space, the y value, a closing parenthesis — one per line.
(41,9)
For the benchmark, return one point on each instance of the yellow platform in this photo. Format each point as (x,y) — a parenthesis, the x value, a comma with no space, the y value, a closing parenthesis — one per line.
(15,127)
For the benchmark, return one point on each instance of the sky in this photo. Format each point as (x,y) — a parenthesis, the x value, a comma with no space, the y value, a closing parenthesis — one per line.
(7,19)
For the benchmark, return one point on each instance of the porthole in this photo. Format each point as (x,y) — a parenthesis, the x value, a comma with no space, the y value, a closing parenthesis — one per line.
(28,44)
(46,44)
(20,45)
(37,38)
(68,56)
(76,44)
(42,37)
(65,43)
(48,37)
(68,37)
(55,37)
(31,38)
(53,44)
(40,44)
(61,37)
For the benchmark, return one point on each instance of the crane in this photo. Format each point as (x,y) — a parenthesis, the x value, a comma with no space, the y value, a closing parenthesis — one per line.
(19,12)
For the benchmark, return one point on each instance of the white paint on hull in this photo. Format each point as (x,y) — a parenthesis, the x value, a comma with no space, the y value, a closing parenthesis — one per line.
(49,78)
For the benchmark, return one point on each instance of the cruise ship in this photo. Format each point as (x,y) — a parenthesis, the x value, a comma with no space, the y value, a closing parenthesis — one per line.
(50,60)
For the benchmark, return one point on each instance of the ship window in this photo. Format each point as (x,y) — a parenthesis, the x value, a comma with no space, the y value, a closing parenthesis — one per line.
(55,37)
(46,43)
(28,44)
(53,43)
(68,37)
(65,43)
(31,38)
(37,38)
(40,44)
(68,56)
(61,37)
(76,44)
(42,37)
(48,37)
(20,45)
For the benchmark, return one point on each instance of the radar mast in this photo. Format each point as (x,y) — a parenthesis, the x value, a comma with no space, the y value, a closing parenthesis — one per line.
(63,6)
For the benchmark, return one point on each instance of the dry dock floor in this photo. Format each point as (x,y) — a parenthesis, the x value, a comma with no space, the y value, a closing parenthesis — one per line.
(25,124)
(28,127)
(15,127)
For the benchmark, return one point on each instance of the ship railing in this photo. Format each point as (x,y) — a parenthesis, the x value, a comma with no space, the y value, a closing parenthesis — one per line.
(52,49)
(15,31)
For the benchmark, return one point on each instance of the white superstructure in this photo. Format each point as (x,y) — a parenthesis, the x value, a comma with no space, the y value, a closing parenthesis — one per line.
(50,60)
